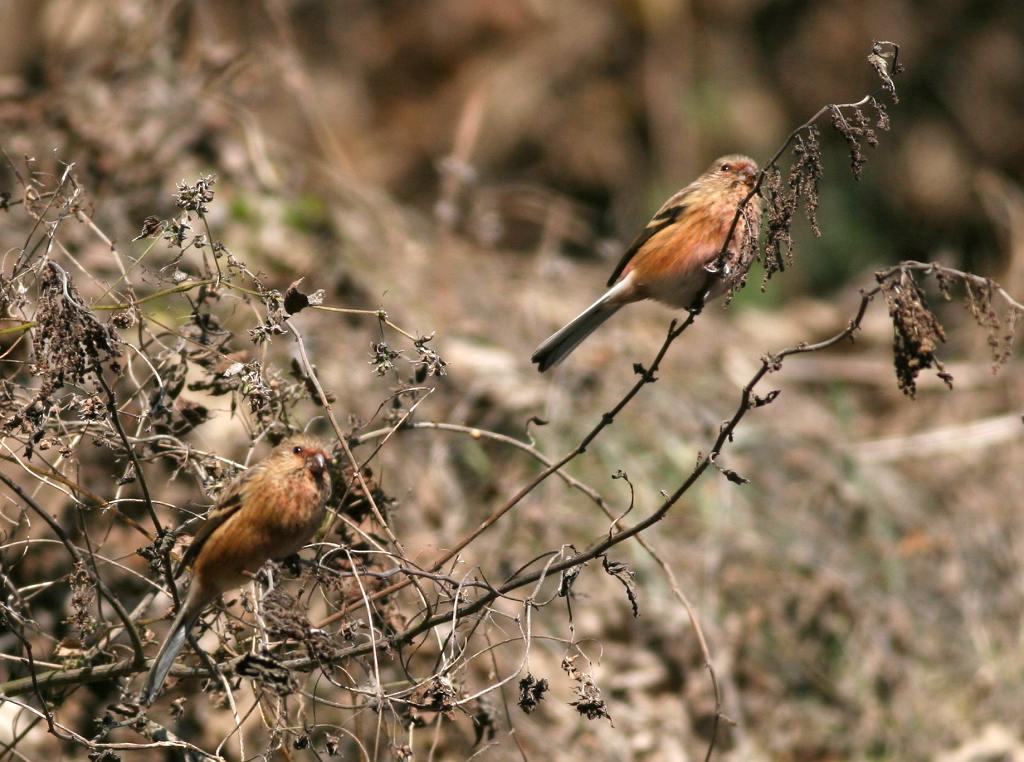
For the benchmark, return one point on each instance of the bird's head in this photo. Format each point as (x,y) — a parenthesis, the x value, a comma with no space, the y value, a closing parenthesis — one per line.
(304,451)
(734,169)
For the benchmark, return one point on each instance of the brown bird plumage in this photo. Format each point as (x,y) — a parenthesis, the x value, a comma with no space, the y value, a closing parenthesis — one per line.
(269,511)
(667,261)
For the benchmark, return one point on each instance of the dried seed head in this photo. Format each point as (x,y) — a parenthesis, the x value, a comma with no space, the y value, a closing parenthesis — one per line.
(917,332)
(68,343)
(194,198)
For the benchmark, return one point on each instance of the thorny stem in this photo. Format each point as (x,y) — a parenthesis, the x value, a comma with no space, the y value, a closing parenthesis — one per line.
(213,250)
(115,419)
(478,433)
(307,366)
(27,188)
(20,328)
(381,315)
(773,161)
(606,420)
(133,635)
(91,497)
(647,376)
(27,645)
(598,499)
(928,268)
(180,288)
(769,364)
(62,731)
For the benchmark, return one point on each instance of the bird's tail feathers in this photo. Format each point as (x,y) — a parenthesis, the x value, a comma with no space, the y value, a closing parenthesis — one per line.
(557,347)
(168,651)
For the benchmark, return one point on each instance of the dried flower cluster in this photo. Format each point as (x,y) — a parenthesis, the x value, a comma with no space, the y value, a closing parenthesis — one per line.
(917,332)
(69,345)
(800,187)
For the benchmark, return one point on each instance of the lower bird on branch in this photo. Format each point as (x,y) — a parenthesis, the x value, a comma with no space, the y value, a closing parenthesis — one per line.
(268,512)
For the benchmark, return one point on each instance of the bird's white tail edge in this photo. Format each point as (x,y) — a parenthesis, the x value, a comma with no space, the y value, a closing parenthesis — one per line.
(565,340)
(168,651)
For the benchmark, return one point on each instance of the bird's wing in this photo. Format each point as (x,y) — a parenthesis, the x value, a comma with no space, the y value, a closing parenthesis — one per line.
(227,505)
(667,215)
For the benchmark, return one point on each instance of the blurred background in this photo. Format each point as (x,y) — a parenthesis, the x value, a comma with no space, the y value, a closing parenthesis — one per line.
(475,167)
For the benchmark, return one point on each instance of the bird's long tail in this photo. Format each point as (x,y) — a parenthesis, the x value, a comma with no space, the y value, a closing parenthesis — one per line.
(168,651)
(566,339)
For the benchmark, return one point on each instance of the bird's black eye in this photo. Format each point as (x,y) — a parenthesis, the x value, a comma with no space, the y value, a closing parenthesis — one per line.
(725,167)
(297,450)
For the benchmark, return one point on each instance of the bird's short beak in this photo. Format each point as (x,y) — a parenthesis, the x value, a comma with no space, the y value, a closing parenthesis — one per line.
(318,463)
(749,175)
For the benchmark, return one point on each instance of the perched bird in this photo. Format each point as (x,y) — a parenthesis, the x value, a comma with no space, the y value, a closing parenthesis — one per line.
(269,511)
(667,260)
